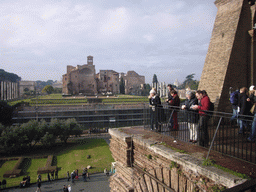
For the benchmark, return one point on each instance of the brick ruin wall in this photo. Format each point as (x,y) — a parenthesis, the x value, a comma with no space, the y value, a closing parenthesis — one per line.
(227,63)
(141,166)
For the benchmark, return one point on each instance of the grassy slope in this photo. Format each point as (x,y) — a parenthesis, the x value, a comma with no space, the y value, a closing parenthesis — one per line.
(68,159)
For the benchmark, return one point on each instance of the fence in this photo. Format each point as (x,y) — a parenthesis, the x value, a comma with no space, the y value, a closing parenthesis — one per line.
(89,116)
(213,130)
(218,126)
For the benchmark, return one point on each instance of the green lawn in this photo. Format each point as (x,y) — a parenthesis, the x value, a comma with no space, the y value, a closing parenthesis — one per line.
(76,158)
(57,99)
(70,157)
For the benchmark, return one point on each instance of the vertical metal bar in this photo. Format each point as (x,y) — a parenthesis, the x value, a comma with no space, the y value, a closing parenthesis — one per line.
(222,143)
(214,138)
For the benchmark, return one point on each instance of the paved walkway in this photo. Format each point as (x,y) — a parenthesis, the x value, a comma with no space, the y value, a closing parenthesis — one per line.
(98,182)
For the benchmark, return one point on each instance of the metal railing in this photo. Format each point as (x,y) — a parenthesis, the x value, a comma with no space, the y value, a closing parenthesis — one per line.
(213,130)
(91,116)
(219,132)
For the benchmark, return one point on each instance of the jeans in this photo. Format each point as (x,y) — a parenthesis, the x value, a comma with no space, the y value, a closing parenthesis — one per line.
(253,131)
(235,115)
(243,123)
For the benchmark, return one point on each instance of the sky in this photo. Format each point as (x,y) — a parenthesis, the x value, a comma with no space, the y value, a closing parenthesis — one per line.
(169,38)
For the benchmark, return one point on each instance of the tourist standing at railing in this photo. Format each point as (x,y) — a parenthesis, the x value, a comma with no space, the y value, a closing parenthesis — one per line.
(191,115)
(174,126)
(203,105)
(155,103)
(251,91)
(234,102)
(252,135)
(170,88)
(168,100)
(244,109)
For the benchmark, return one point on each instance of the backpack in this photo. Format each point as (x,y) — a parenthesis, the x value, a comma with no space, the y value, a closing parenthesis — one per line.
(234,98)
(211,109)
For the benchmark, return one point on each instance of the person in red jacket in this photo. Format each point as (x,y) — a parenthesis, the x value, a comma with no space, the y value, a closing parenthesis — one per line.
(203,106)
(175,101)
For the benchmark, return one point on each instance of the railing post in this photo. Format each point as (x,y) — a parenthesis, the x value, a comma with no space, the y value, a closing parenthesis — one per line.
(214,138)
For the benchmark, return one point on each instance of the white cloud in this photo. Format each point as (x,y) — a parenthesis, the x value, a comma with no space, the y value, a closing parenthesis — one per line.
(49,13)
(115,21)
(149,37)
(120,35)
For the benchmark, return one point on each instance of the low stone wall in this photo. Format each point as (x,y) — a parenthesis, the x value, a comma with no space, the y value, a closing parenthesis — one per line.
(48,167)
(143,166)
(16,171)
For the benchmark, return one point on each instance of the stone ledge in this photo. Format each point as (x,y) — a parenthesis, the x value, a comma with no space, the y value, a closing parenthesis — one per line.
(189,162)
(117,133)
(217,175)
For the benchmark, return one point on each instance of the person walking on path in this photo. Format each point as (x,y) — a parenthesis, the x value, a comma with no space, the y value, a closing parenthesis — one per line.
(4,183)
(106,172)
(77,174)
(68,176)
(52,174)
(56,174)
(84,174)
(65,188)
(39,177)
(72,176)
(38,186)
(88,176)
(69,188)
(48,176)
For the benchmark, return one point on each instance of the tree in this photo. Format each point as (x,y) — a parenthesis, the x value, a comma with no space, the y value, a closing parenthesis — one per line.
(69,127)
(6,76)
(155,79)
(48,89)
(190,82)
(146,90)
(57,90)
(122,86)
(6,113)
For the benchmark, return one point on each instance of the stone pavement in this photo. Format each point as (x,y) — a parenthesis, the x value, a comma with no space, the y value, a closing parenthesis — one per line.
(98,183)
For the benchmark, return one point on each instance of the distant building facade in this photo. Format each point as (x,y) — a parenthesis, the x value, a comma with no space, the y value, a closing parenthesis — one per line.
(133,82)
(84,80)
(26,86)
(108,81)
(80,79)
(57,84)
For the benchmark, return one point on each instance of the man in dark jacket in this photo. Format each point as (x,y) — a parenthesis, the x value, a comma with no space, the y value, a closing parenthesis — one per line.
(191,115)
(170,88)
(244,109)
(155,103)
